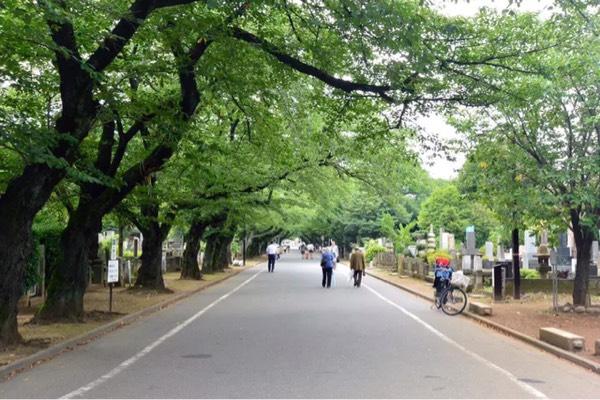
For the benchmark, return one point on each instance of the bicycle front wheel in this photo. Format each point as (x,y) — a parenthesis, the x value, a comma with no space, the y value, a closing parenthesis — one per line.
(454,301)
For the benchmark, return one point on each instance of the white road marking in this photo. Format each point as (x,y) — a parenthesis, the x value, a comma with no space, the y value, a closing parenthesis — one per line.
(528,388)
(130,361)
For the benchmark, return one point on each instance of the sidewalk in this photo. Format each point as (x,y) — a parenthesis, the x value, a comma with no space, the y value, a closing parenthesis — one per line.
(126,302)
(525,316)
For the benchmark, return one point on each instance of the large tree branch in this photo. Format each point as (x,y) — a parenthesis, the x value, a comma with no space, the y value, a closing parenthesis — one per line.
(127,26)
(105,146)
(307,69)
(124,139)
(75,84)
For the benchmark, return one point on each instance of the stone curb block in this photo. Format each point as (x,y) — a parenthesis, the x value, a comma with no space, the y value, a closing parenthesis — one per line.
(8,371)
(480,308)
(581,361)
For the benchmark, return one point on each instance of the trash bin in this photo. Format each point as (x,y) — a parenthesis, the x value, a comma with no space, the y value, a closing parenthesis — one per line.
(499,280)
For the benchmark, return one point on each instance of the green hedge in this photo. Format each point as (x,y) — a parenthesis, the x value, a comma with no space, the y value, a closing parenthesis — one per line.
(529,274)
(372,249)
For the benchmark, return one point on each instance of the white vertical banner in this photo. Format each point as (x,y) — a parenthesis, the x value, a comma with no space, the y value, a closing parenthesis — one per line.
(113,250)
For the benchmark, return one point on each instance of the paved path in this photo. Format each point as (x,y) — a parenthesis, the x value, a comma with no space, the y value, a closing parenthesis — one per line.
(281,335)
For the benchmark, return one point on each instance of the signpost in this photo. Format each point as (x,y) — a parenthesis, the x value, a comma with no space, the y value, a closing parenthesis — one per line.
(111,278)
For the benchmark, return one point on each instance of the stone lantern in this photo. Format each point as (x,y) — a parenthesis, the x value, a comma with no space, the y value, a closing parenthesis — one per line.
(543,256)
(430,240)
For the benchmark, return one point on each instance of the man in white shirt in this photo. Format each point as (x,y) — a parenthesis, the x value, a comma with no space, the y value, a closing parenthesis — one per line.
(335,251)
(272,251)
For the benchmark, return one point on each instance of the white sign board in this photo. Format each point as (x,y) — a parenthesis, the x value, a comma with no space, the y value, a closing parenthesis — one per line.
(113,271)
(113,250)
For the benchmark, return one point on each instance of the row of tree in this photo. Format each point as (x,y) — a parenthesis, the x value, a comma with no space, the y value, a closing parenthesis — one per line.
(217,115)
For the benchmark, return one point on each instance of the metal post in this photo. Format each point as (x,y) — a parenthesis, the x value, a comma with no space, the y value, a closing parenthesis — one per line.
(43,272)
(244,250)
(516,265)
(498,282)
(110,286)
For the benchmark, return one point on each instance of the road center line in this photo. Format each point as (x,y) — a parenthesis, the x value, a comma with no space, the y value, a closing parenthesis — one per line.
(528,388)
(130,361)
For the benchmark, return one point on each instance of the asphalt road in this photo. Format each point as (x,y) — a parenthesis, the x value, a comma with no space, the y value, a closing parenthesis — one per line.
(281,335)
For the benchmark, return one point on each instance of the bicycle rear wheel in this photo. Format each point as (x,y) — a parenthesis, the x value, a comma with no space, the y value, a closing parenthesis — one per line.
(454,301)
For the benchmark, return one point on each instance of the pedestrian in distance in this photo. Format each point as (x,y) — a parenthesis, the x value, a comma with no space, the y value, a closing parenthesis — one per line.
(272,252)
(327,265)
(335,251)
(357,265)
(311,250)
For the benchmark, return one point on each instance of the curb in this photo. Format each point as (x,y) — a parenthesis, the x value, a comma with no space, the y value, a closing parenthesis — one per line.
(560,353)
(10,370)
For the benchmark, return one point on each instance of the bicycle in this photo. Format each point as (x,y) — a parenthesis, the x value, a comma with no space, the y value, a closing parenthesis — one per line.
(452,300)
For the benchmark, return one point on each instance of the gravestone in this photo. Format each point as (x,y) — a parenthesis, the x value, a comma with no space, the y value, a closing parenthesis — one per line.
(471,257)
(553,257)
(594,260)
(530,250)
(413,250)
(451,242)
(489,251)
(470,239)
(489,255)
(113,249)
(544,238)
(444,236)
(595,252)
(563,252)
(500,253)
(573,246)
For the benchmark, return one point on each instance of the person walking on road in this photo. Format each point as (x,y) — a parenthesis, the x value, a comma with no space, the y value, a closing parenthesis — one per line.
(335,251)
(327,265)
(311,250)
(272,252)
(357,265)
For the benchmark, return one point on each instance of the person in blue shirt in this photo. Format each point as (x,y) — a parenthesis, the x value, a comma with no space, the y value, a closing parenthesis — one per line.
(327,265)
(443,275)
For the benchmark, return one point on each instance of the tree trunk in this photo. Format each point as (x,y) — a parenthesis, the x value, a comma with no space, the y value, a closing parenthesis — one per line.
(15,248)
(209,254)
(583,243)
(150,272)
(516,265)
(70,277)
(218,253)
(225,257)
(190,268)
(23,198)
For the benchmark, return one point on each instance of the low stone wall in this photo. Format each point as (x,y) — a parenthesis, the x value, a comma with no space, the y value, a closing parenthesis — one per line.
(545,286)
(414,267)
(386,260)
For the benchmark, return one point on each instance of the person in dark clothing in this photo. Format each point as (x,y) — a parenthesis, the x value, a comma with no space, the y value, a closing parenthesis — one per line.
(442,275)
(327,264)
(357,265)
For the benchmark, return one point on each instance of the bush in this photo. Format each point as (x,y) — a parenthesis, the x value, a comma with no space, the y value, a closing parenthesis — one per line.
(372,249)
(438,253)
(529,274)
(236,248)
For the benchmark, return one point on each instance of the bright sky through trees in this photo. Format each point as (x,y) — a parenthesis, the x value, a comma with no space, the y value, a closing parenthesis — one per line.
(438,166)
